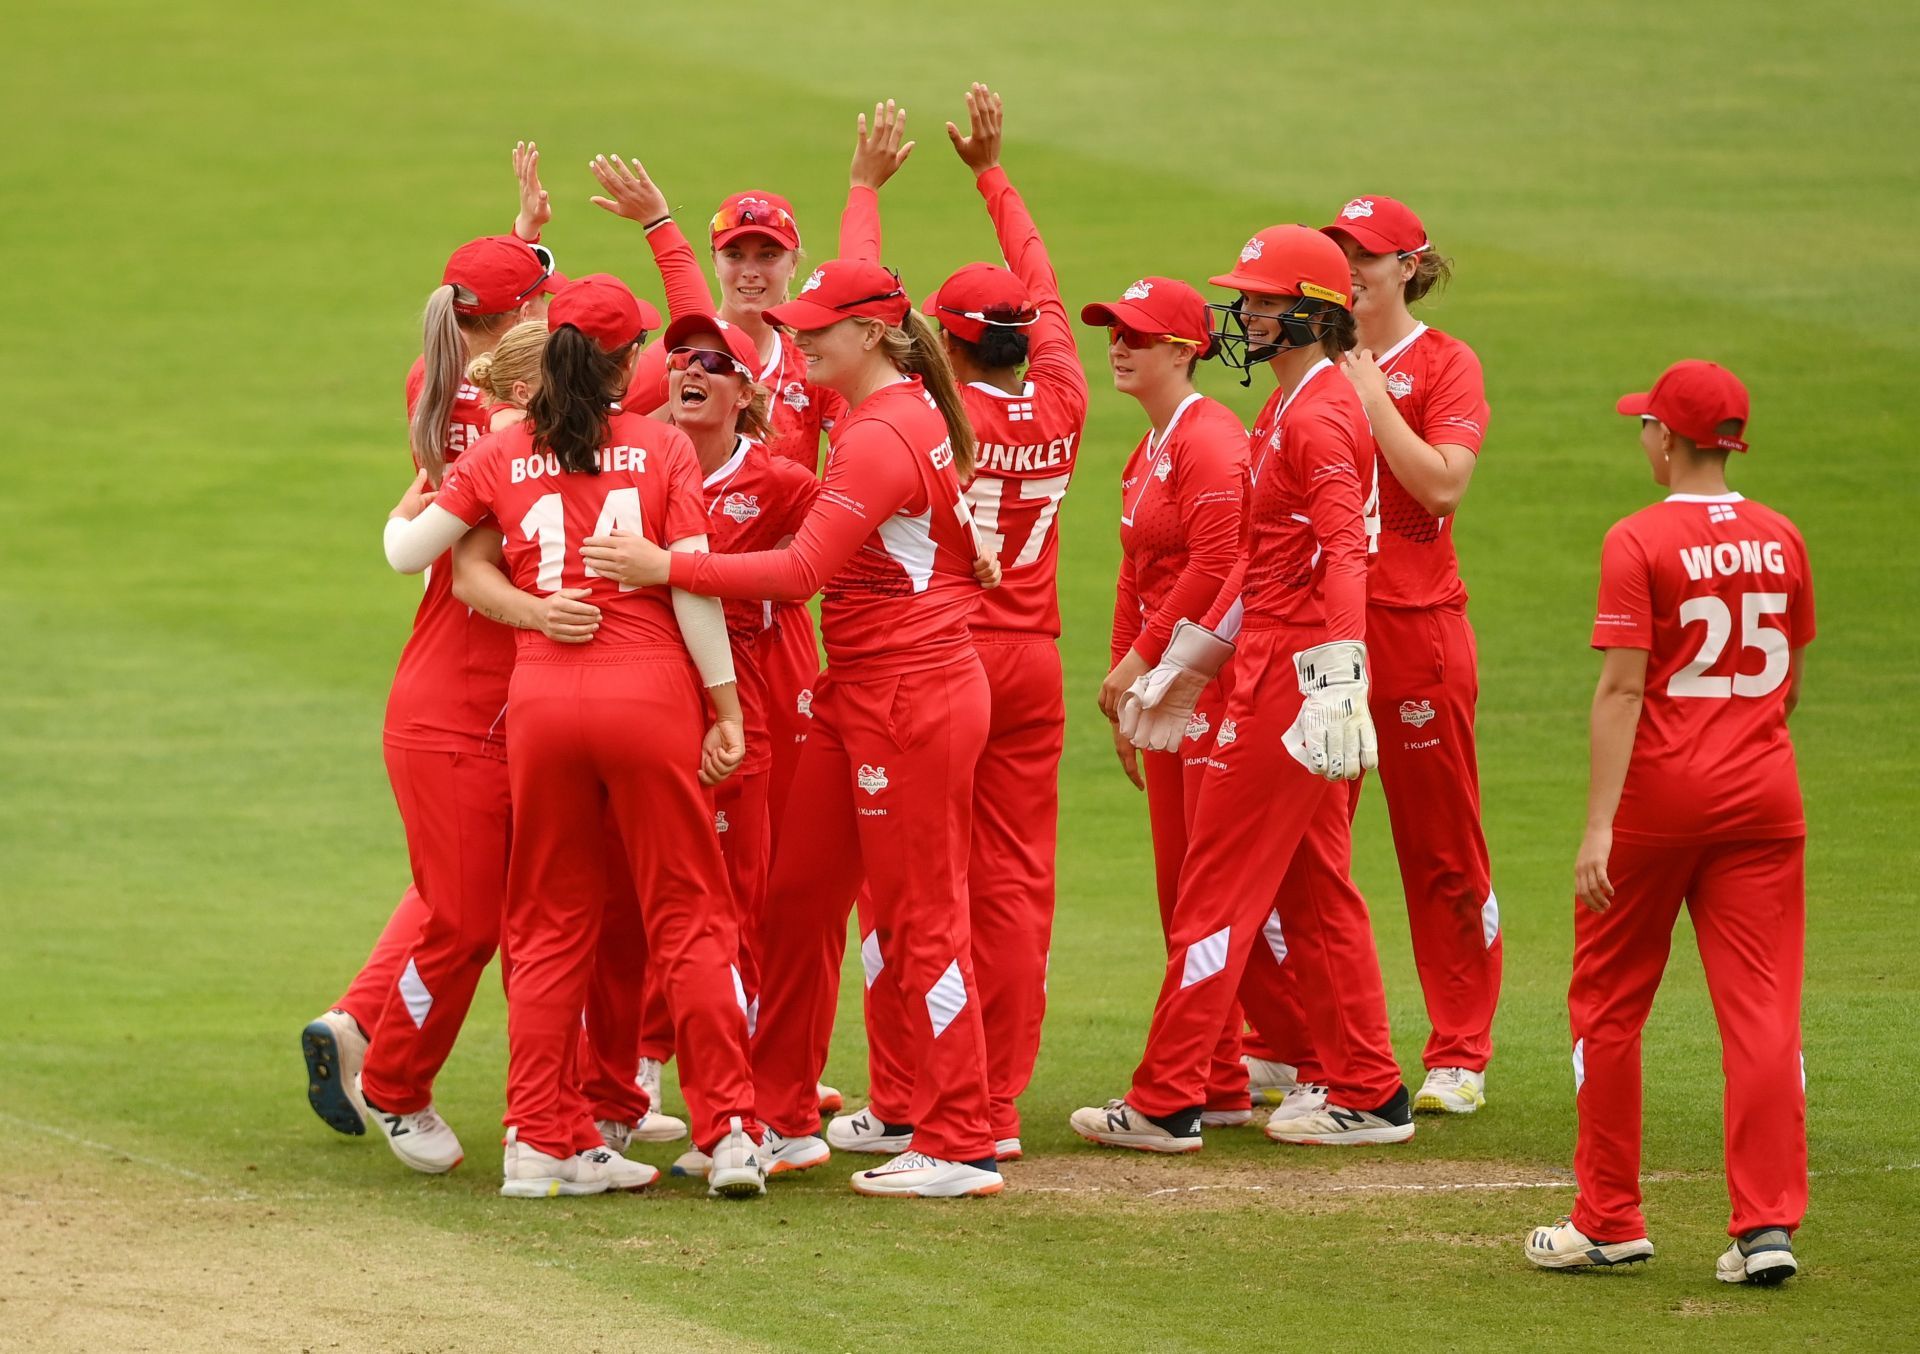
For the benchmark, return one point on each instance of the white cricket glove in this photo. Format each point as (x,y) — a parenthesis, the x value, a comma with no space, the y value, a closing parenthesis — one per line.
(1156,709)
(1333,735)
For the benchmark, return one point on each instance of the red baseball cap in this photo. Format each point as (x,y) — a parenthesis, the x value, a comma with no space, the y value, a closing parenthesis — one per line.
(1291,261)
(755,213)
(1380,225)
(1694,398)
(502,271)
(602,307)
(733,340)
(976,296)
(1156,305)
(844,289)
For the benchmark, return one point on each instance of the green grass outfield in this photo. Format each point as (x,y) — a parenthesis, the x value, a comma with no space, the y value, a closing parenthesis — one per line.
(219,222)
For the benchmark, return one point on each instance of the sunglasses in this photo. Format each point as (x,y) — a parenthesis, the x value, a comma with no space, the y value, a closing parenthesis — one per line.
(1010,319)
(753,212)
(709,361)
(545,255)
(1133,338)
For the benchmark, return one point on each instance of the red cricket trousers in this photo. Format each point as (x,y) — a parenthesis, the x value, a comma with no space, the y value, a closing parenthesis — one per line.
(617,732)
(790,662)
(1748,903)
(366,997)
(1425,683)
(1259,810)
(458,819)
(1173,794)
(1010,885)
(883,796)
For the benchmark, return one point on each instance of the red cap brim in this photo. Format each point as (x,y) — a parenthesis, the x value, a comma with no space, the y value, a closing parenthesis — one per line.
(554,282)
(1366,237)
(1259,286)
(785,239)
(1634,406)
(804,314)
(1120,312)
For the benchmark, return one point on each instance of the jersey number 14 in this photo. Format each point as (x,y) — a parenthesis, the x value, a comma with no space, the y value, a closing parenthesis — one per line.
(546,524)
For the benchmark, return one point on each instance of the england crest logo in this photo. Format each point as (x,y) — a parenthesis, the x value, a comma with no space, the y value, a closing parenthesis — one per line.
(872,779)
(1416,713)
(1139,291)
(1400,385)
(1355,209)
(740,507)
(1164,469)
(814,281)
(1197,726)
(795,395)
(804,704)
(720,821)
(1252,249)
(1228,732)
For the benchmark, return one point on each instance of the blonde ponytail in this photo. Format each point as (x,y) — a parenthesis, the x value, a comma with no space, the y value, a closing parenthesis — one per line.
(915,348)
(445,350)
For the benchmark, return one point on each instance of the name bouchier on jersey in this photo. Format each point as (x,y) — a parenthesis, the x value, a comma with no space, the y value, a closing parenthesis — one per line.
(1032,458)
(532,467)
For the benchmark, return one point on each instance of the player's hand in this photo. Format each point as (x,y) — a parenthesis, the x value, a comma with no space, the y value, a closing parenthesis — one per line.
(721,751)
(1129,758)
(1124,674)
(1590,883)
(1333,735)
(535,210)
(986,571)
(979,149)
(630,193)
(414,502)
(565,618)
(626,557)
(879,153)
(1369,382)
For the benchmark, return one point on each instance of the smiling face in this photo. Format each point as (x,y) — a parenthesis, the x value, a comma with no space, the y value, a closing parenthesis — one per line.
(1140,372)
(1379,281)
(754,273)
(698,400)
(1262,317)
(841,354)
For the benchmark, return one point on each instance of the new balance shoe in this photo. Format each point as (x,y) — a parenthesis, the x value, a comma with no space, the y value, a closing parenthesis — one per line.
(915,1175)
(334,1048)
(1451,1090)
(865,1131)
(1564,1246)
(1337,1126)
(529,1174)
(1270,1082)
(783,1154)
(1118,1124)
(1225,1118)
(734,1170)
(422,1139)
(1308,1097)
(1763,1256)
(831,1100)
(692,1164)
(623,1174)
(1007,1149)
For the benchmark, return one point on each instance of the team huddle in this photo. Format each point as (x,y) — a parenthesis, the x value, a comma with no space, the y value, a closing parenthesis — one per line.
(620,765)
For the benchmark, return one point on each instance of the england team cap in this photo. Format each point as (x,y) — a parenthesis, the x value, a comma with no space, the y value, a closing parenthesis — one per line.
(1380,225)
(843,289)
(755,213)
(1694,398)
(976,296)
(1163,306)
(502,271)
(732,338)
(602,307)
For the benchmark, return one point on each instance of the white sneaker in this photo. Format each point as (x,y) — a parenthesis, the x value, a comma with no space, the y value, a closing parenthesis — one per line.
(1226,1118)
(1452,1090)
(1270,1082)
(1564,1246)
(1338,1126)
(735,1171)
(691,1164)
(621,1173)
(616,1135)
(783,1154)
(1007,1149)
(1118,1124)
(648,1080)
(334,1049)
(656,1127)
(865,1131)
(1763,1256)
(535,1175)
(915,1175)
(1306,1098)
(421,1139)
(830,1099)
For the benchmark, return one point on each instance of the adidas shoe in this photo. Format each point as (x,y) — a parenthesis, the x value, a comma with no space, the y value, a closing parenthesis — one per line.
(1118,1124)
(1763,1256)
(1451,1090)
(865,1131)
(422,1139)
(692,1164)
(334,1048)
(915,1175)
(1270,1082)
(734,1170)
(535,1175)
(1007,1149)
(1564,1246)
(783,1154)
(1337,1126)
(1225,1118)
(1306,1098)
(830,1099)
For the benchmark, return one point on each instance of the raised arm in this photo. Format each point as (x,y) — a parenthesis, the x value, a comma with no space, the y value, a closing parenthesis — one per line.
(878,153)
(535,209)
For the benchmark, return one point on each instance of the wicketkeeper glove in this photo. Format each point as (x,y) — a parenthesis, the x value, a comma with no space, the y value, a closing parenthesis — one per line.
(1333,735)
(1156,709)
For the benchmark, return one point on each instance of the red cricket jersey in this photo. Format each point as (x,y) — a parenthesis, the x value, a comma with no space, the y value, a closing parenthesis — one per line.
(450,689)
(888,543)
(1025,443)
(1436,385)
(754,501)
(1182,497)
(1306,534)
(1718,591)
(648,483)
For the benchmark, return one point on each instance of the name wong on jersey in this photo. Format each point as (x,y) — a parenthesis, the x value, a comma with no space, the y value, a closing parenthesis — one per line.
(1733,557)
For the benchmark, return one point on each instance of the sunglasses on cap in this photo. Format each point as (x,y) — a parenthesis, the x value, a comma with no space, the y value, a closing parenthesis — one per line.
(1011,319)
(1133,338)
(711,362)
(753,213)
(545,255)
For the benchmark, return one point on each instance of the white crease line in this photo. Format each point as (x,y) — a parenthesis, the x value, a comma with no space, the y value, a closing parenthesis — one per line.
(229,1191)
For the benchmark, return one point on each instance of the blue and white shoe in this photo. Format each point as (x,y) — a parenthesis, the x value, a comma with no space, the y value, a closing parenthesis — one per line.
(1763,1256)
(334,1049)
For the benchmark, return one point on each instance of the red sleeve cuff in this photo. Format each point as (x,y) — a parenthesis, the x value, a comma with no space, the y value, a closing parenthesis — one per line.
(992,181)
(681,566)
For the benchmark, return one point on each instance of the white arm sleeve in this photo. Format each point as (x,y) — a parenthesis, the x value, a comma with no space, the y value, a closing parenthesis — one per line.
(412,546)
(703,625)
